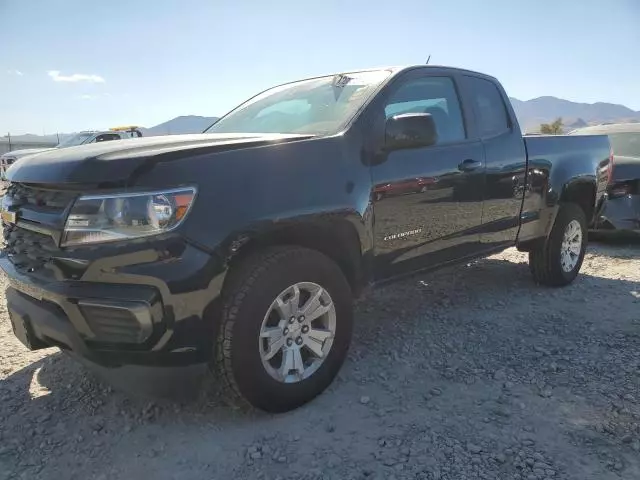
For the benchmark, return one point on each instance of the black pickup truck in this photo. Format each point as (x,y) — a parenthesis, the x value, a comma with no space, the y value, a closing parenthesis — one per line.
(244,246)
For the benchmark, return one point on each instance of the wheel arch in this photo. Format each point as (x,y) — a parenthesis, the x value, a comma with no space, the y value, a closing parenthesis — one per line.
(582,192)
(339,238)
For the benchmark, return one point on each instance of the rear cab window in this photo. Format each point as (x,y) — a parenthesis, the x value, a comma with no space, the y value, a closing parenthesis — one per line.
(488,105)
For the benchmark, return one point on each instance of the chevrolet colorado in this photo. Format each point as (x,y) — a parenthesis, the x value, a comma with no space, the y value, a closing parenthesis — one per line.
(244,246)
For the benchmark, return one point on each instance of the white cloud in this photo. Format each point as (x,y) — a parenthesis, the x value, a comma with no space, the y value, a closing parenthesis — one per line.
(15,72)
(76,77)
(86,96)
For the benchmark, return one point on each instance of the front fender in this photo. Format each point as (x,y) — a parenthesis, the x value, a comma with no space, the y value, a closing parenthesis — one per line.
(343,235)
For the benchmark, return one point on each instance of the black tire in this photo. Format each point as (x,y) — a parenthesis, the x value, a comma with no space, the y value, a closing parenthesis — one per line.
(545,260)
(253,286)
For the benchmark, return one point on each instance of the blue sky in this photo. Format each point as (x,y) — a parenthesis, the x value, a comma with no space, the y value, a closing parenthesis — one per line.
(69,65)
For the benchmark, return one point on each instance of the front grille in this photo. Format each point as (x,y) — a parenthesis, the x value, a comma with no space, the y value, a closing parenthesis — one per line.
(27,244)
(19,195)
(28,251)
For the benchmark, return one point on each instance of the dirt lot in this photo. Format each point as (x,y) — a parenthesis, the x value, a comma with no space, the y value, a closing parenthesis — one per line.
(471,372)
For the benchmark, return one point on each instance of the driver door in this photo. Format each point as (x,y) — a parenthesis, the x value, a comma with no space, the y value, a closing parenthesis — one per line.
(427,200)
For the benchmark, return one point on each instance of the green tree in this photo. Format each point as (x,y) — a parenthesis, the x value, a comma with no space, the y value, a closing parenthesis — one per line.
(554,128)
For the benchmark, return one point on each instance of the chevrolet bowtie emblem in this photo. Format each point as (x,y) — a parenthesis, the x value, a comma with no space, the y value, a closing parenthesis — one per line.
(9,217)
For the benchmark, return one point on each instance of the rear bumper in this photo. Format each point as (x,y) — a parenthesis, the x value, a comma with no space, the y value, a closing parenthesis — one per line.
(621,213)
(113,321)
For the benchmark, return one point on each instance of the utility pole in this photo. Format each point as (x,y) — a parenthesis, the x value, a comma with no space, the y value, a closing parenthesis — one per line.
(9,136)
(428,59)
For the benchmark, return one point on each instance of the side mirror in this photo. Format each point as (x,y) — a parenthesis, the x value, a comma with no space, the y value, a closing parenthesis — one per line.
(410,130)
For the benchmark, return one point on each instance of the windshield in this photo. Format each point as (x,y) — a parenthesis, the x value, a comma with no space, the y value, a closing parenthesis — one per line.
(77,139)
(319,106)
(625,144)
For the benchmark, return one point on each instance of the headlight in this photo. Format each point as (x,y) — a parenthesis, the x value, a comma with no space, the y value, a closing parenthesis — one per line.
(103,218)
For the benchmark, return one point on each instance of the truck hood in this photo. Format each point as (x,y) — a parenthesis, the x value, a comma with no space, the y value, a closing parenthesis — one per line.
(115,163)
(26,151)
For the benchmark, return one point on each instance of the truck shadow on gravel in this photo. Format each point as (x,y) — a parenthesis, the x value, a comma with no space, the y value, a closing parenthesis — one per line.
(475,360)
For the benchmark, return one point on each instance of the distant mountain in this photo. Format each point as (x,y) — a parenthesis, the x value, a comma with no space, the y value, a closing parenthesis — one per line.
(176,126)
(29,137)
(532,113)
(180,125)
(573,124)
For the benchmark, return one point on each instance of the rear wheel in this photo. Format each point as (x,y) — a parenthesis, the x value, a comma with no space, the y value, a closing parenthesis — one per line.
(557,262)
(286,328)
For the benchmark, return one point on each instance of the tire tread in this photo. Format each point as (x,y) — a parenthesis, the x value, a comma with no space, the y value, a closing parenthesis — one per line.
(542,262)
(241,280)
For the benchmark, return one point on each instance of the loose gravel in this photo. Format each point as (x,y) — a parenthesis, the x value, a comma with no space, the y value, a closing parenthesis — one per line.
(472,372)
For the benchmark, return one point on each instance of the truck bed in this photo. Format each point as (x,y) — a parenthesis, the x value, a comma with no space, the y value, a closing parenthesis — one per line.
(570,157)
(549,148)
(567,151)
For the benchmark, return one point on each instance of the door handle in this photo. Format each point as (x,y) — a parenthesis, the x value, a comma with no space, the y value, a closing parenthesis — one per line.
(469,165)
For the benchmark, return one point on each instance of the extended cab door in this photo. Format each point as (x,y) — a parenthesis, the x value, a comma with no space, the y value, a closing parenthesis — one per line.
(505,157)
(427,201)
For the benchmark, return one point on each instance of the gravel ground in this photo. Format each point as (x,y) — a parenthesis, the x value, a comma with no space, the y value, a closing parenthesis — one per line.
(469,372)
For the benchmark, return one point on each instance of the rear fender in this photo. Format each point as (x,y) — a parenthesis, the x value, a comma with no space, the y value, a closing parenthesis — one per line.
(583,192)
(549,184)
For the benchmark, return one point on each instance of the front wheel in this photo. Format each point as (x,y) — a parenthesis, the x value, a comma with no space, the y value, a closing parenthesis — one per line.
(557,262)
(286,328)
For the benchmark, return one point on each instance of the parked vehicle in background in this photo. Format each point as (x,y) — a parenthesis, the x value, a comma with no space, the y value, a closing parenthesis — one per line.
(620,209)
(82,138)
(244,246)
(410,185)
